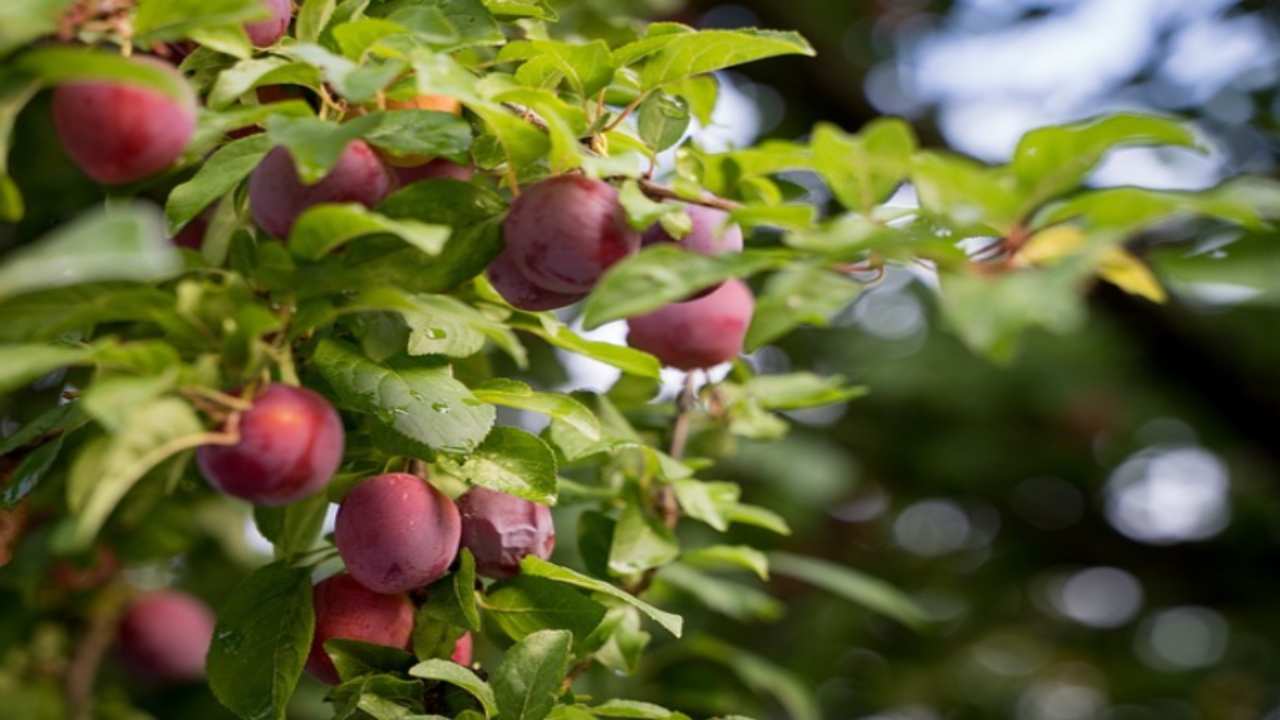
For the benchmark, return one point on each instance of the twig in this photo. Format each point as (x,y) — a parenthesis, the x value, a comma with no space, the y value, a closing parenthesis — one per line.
(626,112)
(662,192)
(82,671)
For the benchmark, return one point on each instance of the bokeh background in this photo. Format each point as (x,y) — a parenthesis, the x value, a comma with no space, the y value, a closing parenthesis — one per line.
(1094,525)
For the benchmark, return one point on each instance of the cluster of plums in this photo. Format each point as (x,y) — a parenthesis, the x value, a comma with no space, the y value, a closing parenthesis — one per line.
(394,532)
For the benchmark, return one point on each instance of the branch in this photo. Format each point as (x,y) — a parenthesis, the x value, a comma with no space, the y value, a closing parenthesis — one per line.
(82,671)
(662,192)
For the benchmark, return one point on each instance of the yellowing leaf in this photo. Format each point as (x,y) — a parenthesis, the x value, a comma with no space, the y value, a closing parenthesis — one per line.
(1051,244)
(1120,268)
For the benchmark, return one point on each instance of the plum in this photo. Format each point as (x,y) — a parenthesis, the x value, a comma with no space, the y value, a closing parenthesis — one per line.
(192,234)
(564,232)
(119,133)
(709,234)
(165,635)
(291,442)
(265,33)
(696,333)
(516,289)
(347,610)
(501,529)
(462,650)
(438,168)
(395,533)
(277,196)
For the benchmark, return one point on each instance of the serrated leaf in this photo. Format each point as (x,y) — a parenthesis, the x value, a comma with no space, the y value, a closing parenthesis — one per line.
(664,273)
(455,674)
(863,169)
(261,642)
(125,242)
(512,393)
(869,592)
(419,401)
(524,605)
(514,462)
(325,227)
(689,54)
(441,324)
(662,120)
(528,681)
(537,567)
(217,176)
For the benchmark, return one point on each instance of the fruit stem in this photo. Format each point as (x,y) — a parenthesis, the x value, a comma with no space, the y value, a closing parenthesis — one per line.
(626,112)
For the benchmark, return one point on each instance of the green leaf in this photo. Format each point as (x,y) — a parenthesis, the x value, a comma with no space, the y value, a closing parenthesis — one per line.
(22,364)
(794,391)
(687,54)
(537,567)
(108,467)
(527,683)
(536,9)
(111,400)
(294,528)
(313,18)
(353,658)
(967,195)
(452,599)
(664,273)
(15,92)
(384,696)
(325,227)
(258,72)
(513,393)
(125,242)
(761,676)
(625,641)
(28,474)
(871,593)
(56,420)
(261,642)
(640,542)
(742,556)
(864,169)
(420,133)
(524,605)
(705,501)
(662,120)
(161,20)
(587,67)
(419,401)
(514,462)
(1243,201)
(455,674)
(60,64)
(1053,160)
(555,332)
(217,176)
(756,516)
(24,20)
(315,145)
(636,710)
(471,19)
(441,324)
(732,599)
(800,294)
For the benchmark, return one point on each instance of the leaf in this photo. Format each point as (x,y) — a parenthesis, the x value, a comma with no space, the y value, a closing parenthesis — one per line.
(294,528)
(28,474)
(420,133)
(327,226)
(800,294)
(664,273)
(687,54)
(761,676)
(662,120)
(740,556)
(315,145)
(417,400)
(794,391)
(58,419)
(528,681)
(1242,202)
(22,364)
(258,72)
(125,242)
(537,567)
(732,599)
(471,19)
(513,393)
(524,605)
(640,542)
(61,64)
(756,516)
(871,593)
(217,176)
(353,658)
(705,501)
(1124,270)
(161,20)
(1050,161)
(514,462)
(261,642)
(24,20)
(636,710)
(452,599)
(624,641)
(864,169)
(967,195)
(112,400)
(313,18)
(588,67)
(108,467)
(1250,264)
(555,332)
(441,324)
(383,696)
(455,674)
(15,92)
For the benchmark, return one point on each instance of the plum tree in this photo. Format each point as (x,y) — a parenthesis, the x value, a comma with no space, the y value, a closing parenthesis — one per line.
(437,168)
(119,133)
(265,33)
(696,333)
(516,289)
(501,529)
(710,234)
(165,635)
(348,610)
(291,442)
(462,650)
(395,532)
(277,195)
(564,232)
